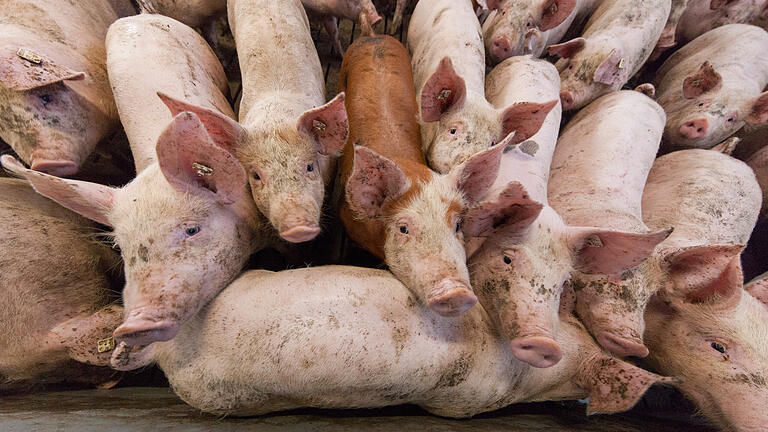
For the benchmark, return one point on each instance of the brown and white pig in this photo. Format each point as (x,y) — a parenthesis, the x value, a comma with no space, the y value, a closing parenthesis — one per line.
(55,297)
(701,325)
(328,338)
(286,139)
(710,89)
(529,251)
(362,11)
(200,14)
(759,164)
(445,42)
(186,225)
(617,40)
(516,28)
(394,205)
(599,168)
(55,100)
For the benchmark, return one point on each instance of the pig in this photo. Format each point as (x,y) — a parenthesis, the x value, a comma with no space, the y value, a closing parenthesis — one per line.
(327,338)
(201,14)
(394,205)
(55,100)
(709,89)
(758,288)
(701,325)
(56,308)
(445,42)
(759,164)
(518,28)
(362,11)
(614,46)
(186,224)
(599,168)
(529,252)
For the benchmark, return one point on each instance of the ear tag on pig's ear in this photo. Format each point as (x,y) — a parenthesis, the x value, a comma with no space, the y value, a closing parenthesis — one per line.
(202,170)
(444,95)
(105,345)
(593,241)
(29,56)
(621,63)
(318,125)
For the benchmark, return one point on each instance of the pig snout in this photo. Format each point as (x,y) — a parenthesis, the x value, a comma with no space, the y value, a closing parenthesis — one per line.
(54,167)
(500,48)
(142,327)
(695,128)
(537,351)
(622,346)
(297,221)
(451,298)
(567,99)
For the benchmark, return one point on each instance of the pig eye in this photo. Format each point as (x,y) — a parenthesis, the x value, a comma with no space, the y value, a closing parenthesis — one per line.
(717,347)
(310,168)
(403,229)
(458,225)
(493,143)
(507,260)
(256,176)
(730,119)
(46,98)
(192,230)
(570,67)
(453,131)
(701,104)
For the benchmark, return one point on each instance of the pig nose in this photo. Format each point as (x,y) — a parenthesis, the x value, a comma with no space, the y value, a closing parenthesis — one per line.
(451,298)
(140,331)
(621,346)
(500,48)
(300,233)
(59,168)
(537,351)
(566,99)
(695,128)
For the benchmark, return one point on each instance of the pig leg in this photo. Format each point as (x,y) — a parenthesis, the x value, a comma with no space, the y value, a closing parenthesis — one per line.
(368,18)
(80,336)
(398,18)
(332,27)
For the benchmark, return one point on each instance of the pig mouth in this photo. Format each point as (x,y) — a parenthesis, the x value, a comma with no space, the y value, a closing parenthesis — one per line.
(451,298)
(142,332)
(300,233)
(621,346)
(55,167)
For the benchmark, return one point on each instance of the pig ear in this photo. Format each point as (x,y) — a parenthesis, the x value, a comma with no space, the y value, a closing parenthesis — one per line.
(512,209)
(444,90)
(327,124)
(489,4)
(224,131)
(704,80)
(759,290)
(525,119)
(191,162)
(647,89)
(374,180)
(91,200)
(706,273)
(88,339)
(127,357)
(568,49)
(612,70)
(477,174)
(24,70)
(614,385)
(727,146)
(555,12)
(606,251)
(759,111)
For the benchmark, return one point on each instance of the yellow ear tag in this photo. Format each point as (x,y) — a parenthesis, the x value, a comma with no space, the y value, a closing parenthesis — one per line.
(29,56)
(107,344)
(201,169)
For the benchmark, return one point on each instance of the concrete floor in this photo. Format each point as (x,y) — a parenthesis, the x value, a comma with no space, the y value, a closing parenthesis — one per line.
(158,409)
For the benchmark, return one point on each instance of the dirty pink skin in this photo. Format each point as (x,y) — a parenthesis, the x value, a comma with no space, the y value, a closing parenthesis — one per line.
(288,140)
(709,91)
(444,39)
(362,11)
(516,28)
(53,319)
(701,325)
(759,164)
(598,174)
(617,40)
(519,271)
(333,341)
(758,288)
(55,112)
(183,236)
(201,14)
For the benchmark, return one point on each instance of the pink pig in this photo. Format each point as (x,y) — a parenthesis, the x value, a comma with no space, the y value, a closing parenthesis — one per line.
(598,174)
(55,100)
(186,225)
(362,11)
(617,40)
(759,164)
(701,325)
(446,46)
(201,14)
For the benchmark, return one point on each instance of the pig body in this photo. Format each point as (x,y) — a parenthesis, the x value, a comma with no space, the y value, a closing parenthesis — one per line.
(194,13)
(54,294)
(362,11)
(518,28)
(445,42)
(598,174)
(186,224)
(710,89)
(702,325)
(54,92)
(617,40)
(329,339)
(759,164)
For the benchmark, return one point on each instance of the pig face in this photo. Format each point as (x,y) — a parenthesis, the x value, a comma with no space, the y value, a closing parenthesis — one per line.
(704,328)
(701,16)
(420,215)
(181,225)
(48,123)
(515,28)
(466,123)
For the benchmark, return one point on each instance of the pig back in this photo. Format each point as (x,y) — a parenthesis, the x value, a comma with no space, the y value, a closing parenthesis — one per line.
(708,197)
(602,161)
(151,53)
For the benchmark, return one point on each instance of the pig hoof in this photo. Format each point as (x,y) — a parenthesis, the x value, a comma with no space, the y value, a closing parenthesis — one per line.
(621,346)
(144,332)
(59,168)
(300,234)
(537,351)
(451,299)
